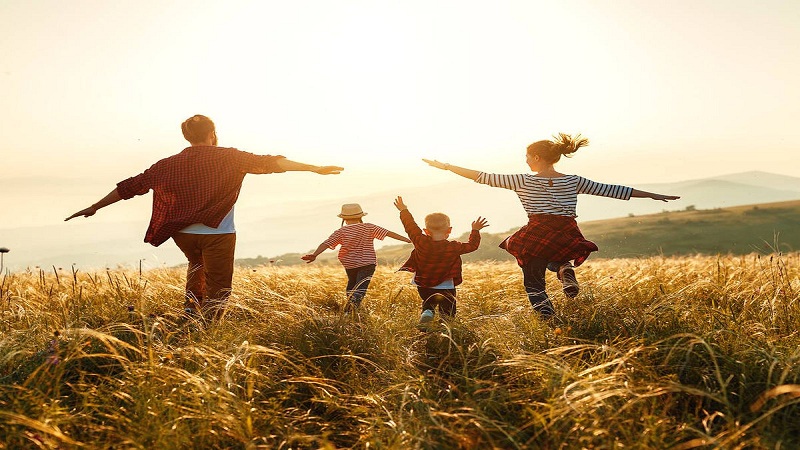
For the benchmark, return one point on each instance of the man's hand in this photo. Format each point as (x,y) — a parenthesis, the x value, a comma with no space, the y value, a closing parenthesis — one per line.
(437,164)
(398,203)
(309,258)
(88,212)
(328,170)
(480,223)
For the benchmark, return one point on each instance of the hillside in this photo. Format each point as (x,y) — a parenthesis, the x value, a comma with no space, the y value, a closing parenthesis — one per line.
(269,224)
(736,230)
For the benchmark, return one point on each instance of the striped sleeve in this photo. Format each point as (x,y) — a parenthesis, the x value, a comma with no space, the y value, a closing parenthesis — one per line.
(379,232)
(334,239)
(590,187)
(513,182)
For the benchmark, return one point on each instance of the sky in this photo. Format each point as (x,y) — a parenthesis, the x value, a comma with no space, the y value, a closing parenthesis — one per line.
(94,92)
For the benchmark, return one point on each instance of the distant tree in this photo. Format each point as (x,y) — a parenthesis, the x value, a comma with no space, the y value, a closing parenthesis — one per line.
(691,208)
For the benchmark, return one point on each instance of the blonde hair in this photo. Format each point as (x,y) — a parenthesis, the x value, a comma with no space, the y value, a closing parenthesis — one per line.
(562,144)
(437,222)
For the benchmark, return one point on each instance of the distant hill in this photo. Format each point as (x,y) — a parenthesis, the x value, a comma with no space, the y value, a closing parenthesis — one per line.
(273,225)
(764,228)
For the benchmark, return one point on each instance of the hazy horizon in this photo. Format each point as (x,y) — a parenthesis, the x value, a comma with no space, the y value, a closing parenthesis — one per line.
(271,227)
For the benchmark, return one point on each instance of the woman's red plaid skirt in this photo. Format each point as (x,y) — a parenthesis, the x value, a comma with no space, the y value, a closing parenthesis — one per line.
(549,237)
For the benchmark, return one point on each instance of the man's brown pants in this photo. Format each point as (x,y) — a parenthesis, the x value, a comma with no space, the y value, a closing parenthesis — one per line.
(210,272)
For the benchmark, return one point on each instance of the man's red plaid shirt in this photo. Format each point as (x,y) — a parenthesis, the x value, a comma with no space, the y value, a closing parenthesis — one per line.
(435,261)
(198,185)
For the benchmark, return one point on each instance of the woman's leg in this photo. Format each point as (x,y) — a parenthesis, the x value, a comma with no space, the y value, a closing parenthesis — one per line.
(566,274)
(533,279)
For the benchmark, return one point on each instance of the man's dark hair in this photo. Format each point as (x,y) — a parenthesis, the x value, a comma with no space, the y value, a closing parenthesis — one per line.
(196,128)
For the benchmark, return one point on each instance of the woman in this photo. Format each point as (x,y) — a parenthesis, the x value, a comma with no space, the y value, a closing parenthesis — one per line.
(551,239)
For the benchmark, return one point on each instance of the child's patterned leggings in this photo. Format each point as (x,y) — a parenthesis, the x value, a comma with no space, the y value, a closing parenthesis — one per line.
(358,280)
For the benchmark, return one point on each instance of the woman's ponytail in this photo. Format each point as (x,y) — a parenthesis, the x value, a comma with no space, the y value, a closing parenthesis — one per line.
(562,144)
(566,145)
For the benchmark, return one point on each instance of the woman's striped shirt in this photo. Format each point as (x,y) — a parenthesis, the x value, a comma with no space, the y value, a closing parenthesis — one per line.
(357,243)
(539,197)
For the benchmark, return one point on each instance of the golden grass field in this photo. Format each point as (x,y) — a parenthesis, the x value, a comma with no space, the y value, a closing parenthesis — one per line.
(691,352)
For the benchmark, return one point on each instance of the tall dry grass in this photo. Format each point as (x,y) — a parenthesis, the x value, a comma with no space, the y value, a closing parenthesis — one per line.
(699,352)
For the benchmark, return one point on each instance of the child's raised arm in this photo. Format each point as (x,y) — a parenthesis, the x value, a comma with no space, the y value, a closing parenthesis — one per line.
(643,194)
(480,223)
(398,203)
(464,172)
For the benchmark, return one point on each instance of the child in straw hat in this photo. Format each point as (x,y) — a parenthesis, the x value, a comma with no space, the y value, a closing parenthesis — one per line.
(357,254)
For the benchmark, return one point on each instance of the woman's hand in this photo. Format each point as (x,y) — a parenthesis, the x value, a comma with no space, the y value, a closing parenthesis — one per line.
(644,194)
(437,164)
(462,171)
(664,198)
(309,258)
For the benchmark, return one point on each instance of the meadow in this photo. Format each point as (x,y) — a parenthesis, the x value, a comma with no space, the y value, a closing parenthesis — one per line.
(659,352)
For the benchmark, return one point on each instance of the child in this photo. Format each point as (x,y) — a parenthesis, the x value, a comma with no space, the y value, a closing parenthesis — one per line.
(551,239)
(436,261)
(357,254)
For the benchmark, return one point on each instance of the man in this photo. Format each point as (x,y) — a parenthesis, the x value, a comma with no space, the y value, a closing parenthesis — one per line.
(193,197)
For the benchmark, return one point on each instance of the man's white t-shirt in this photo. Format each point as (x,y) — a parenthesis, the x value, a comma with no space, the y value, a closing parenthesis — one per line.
(225,227)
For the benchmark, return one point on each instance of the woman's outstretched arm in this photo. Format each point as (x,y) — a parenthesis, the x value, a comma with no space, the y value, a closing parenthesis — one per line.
(464,172)
(644,194)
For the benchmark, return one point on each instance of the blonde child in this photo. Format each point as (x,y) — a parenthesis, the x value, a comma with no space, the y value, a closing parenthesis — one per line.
(357,253)
(436,261)
(551,239)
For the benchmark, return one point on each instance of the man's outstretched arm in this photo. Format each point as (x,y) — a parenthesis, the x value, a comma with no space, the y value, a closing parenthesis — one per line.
(294,166)
(111,198)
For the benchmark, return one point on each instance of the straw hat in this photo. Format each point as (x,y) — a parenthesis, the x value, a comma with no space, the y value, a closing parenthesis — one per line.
(351,211)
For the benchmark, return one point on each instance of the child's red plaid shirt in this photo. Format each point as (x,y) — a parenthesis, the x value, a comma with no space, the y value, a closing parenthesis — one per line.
(198,185)
(435,261)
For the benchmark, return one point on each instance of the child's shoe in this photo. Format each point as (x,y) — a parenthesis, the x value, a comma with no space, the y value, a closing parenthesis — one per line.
(566,274)
(425,319)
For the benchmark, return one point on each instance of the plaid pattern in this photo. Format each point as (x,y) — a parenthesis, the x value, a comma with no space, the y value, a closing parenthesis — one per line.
(549,237)
(198,185)
(435,261)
